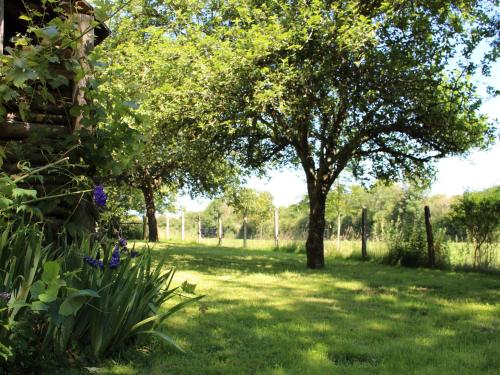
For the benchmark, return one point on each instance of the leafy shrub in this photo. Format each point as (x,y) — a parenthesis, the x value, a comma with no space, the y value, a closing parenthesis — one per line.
(131,298)
(478,214)
(408,246)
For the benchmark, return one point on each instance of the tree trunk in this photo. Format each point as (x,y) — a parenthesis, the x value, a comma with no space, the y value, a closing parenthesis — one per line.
(148,192)
(314,243)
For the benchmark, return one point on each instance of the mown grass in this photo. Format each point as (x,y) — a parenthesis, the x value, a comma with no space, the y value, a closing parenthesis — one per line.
(265,313)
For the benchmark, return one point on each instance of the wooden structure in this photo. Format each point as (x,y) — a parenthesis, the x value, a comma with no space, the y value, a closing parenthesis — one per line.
(47,123)
(54,118)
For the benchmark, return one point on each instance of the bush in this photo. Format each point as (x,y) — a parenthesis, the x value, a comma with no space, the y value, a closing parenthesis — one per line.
(479,215)
(408,246)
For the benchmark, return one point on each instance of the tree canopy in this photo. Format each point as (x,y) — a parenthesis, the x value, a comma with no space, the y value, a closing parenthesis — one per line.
(378,87)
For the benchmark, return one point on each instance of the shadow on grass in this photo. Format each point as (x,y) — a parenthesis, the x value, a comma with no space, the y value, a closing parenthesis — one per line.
(265,313)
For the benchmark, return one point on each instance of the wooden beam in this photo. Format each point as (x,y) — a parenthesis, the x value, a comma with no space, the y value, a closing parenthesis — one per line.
(21,130)
(2,16)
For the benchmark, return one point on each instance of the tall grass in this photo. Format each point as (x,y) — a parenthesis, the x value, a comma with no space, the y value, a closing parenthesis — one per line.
(459,254)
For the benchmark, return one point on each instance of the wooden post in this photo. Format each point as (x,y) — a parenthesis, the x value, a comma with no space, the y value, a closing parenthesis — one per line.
(245,219)
(199,228)
(219,232)
(167,226)
(430,240)
(144,226)
(182,226)
(2,23)
(276,228)
(363,234)
(338,231)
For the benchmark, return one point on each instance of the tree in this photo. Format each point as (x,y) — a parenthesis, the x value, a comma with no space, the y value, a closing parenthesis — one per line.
(373,86)
(156,103)
(479,215)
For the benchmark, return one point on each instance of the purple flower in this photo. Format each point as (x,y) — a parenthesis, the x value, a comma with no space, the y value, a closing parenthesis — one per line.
(114,261)
(100,196)
(134,254)
(96,263)
(122,242)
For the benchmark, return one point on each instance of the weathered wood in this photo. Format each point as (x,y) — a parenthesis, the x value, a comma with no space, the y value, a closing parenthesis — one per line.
(21,130)
(430,240)
(245,221)
(219,232)
(85,45)
(144,227)
(182,226)
(167,225)
(199,228)
(41,118)
(2,23)
(364,255)
(276,229)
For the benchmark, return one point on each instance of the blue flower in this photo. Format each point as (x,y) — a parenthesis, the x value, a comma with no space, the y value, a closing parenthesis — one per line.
(122,242)
(93,262)
(114,261)
(134,254)
(100,196)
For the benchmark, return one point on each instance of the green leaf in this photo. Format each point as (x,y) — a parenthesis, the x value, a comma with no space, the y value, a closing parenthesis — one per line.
(74,302)
(5,202)
(164,337)
(18,192)
(37,288)
(39,306)
(50,294)
(50,272)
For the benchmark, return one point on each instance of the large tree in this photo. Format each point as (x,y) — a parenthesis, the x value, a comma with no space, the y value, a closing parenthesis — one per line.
(380,87)
(158,128)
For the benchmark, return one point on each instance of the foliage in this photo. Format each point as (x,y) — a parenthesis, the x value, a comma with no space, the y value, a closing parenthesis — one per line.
(130,303)
(408,242)
(479,215)
(366,86)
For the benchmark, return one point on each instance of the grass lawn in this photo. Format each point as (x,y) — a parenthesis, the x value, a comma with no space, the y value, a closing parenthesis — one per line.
(265,313)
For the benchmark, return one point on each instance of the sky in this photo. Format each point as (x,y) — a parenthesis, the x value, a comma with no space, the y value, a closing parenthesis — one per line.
(477,171)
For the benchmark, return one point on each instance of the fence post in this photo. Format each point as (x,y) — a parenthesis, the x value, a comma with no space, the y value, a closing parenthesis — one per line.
(182,226)
(430,240)
(144,226)
(199,228)
(245,219)
(363,234)
(276,228)
(219,234)
(167,226)
(338,231)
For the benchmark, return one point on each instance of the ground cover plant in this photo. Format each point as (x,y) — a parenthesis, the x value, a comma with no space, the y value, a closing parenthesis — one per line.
(265,314)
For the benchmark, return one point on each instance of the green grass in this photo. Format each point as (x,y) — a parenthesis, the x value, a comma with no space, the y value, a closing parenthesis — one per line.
(265,313)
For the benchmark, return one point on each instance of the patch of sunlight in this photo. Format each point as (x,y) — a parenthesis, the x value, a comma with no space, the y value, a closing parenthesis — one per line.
(325,301)
(424,341)
(263,315)
(119,370)
(349,285)
(377,326)
(278,371)
(317,355)
(322,326)
(288,275)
